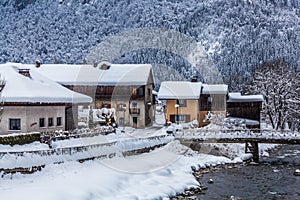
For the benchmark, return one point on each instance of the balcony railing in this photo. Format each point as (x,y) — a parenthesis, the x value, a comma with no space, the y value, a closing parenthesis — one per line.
(119,96)
(134,111)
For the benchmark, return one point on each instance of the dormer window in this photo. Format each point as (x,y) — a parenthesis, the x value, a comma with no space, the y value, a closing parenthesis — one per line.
(104,65)
(24,72)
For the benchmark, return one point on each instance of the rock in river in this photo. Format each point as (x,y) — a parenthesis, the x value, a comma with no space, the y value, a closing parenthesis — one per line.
(297,172)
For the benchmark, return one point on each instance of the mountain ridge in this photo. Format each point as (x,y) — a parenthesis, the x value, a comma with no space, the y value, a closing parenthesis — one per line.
(237,35)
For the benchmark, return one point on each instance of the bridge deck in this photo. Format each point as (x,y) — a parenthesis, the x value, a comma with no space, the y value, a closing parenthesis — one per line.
(239,137)
(250,138)
(241,140)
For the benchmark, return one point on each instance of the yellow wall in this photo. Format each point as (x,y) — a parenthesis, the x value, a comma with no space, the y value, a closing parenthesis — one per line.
(191,109)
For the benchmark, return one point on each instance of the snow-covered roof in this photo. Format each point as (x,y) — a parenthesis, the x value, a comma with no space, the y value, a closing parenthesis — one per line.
(117,74)
(154,92)
(215,89)
(237,97)
(35,89)
(179,90)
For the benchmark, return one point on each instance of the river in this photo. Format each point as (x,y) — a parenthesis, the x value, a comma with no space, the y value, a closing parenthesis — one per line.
(271,179)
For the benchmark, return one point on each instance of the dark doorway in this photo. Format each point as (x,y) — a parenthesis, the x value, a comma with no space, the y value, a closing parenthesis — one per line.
(134,119)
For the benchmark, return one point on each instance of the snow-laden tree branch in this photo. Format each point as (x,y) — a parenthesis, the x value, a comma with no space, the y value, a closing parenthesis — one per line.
(279,84)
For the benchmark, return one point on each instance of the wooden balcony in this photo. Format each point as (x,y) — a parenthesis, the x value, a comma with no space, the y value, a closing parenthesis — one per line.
(134,111)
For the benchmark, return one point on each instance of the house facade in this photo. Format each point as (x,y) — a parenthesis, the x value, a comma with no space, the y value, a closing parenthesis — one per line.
(212,100)
(188,101)
(31,102)
(182,100)
(127,88)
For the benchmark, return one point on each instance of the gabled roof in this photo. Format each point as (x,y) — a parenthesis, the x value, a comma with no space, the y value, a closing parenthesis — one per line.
(188,90)
(237,97)
(35,89)
(179,90)
(117,74)
(215,89)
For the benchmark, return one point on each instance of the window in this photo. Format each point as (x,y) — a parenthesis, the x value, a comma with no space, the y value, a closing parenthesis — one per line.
(106,105)
(14,124)
(50,121)
(121,121)
(58,121)
(42,122)
(134,91)
(205,103)
(138,91)
(121,107)
(218,103)
(141,91)
(182,102)
(182,118)
(149,92)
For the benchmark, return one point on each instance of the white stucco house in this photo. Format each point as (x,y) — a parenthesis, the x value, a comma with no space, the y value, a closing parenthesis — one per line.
(33,102)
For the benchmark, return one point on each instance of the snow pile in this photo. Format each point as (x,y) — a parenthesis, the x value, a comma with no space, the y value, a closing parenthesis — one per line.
(155,175)
(101,116)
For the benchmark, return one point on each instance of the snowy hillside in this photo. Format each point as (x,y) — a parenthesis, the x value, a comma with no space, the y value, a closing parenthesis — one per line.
(237,34)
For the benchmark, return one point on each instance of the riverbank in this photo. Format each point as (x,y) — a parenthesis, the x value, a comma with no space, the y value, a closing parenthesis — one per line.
(272,178)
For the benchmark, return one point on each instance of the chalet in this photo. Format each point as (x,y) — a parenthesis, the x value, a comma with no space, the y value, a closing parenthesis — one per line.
(245,107)
(125,87)
(187,101)
(182,100)
(32,102)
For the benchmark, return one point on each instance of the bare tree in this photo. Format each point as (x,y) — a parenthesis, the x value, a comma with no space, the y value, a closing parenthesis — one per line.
(279,84)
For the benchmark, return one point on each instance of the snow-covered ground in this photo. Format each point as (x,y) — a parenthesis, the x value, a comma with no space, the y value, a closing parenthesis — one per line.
(82,148)
(160,173)
(26,147)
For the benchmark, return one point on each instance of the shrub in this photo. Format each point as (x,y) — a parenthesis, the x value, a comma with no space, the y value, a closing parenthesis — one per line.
(24,138)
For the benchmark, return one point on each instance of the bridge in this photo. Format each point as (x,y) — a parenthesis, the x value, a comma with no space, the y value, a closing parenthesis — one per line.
(251,138)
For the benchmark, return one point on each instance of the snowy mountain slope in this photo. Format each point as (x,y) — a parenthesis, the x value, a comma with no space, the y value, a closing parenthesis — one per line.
(238,35)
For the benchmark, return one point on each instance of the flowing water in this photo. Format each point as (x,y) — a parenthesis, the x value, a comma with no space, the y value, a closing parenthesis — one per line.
(271,179)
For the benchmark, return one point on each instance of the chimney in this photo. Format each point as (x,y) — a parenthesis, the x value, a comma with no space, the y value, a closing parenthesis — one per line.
(37,63)
(194,78)
(25,72)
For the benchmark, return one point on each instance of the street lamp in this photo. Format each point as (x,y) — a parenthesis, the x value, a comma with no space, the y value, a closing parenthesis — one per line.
(124,110)
(177,116)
